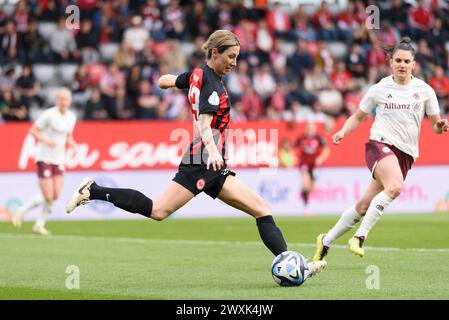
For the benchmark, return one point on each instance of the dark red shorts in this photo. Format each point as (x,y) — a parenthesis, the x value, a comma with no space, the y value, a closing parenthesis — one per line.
(307,166)
(376,151)
(47,170)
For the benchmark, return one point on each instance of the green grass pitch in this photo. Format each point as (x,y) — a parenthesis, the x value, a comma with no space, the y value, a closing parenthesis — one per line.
(220,259)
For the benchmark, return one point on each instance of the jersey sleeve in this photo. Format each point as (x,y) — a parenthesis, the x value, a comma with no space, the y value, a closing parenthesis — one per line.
(431,104)
(42,121)
(369,100)
(183,80)
(209,98)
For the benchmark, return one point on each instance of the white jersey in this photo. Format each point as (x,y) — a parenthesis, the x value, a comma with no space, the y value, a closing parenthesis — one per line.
(399,112)
(54,127)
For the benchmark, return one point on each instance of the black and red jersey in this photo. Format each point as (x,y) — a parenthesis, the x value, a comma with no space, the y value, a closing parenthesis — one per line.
(310,148)
(207,94)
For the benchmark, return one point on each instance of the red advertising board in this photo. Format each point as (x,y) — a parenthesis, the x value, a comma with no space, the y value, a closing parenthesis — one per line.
(160,144)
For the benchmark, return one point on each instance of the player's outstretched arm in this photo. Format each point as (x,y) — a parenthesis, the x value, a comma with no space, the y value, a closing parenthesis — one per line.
(37,134)
(439,125)
(167,81)
(350,125)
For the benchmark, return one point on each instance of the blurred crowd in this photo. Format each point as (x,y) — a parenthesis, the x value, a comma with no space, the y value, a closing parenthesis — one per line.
(301,62)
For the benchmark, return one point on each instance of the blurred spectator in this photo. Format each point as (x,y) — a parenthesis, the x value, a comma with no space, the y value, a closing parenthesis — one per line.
(173,16)
(324,23)
(32,45)
(440,83)
(174,58)
(152,20)
(148,103)
(80,85)
(387,35)
(376,61)
(12,109)
(125,57)
(424,56)
(111,81)
(132,83)
(197,57)
(95,107)
(301,61)
(341,78)
(136,35)
(7,78)
(352,101)
(238,81)
(252,104)
(28,88)
(397,16)
(62,44)
(355,62)
(438,34)
(264,82)
(177,103)
(9,43)
(197,20)
(264,38)
(238,112)
(421,20)
(87,41)
(88,8)
(278,21)
(364,37)
(348,22)
(47,11)
(287,155)
(301,26)
(279,99)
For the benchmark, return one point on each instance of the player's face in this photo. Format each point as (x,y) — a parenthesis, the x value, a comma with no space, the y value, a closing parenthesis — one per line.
(227,60)
(63,100)
(402,65)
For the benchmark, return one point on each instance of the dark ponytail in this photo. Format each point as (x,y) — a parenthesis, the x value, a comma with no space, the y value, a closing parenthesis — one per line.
(404,44)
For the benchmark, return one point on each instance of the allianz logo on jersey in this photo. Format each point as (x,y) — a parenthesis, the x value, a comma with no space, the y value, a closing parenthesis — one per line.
(402,106)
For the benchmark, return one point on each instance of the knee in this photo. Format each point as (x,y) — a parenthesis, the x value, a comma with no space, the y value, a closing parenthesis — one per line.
(159,214)
(262,209)
(393,190)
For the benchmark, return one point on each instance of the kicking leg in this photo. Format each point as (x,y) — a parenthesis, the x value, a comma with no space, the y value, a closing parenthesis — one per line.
(174,197)
(238,195)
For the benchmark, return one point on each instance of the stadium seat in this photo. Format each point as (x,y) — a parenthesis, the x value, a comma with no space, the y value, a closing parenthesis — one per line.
(9,7)
(337,49)
(287,48)
(108,51)
(187,48)
(46,29)
(67,72)
(45,73)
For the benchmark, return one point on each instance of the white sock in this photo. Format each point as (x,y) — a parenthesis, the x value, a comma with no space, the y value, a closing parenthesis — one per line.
(377,206)
(43,216)
(348,219)
(33,203)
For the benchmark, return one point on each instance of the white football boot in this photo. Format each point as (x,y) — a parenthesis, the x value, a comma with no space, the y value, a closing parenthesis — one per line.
(81,195)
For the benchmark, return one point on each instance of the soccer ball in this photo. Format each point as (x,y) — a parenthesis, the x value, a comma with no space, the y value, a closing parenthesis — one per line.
(290,269)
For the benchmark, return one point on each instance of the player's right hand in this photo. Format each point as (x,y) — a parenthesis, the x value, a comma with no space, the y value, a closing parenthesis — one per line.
(215,160)
(337,137)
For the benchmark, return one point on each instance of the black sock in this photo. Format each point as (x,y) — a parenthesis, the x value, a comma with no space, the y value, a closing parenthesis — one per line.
(271,235)
(127,199)
(305,196)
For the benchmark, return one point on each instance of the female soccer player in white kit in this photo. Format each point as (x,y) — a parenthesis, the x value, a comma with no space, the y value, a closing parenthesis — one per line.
(53,131)
(401,101)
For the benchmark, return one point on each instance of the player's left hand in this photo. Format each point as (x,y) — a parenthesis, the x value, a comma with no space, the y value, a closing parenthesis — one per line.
(443,124)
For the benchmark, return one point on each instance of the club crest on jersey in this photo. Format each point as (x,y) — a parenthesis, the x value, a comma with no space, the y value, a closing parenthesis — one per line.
(416,106)
(386,149)
(214,99)
(389,96)
(200,184)
(416,96)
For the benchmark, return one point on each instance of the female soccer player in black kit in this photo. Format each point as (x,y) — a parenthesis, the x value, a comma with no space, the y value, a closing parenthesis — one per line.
(203,167)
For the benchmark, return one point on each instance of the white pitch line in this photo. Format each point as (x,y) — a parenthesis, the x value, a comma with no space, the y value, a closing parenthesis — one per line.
(196,242)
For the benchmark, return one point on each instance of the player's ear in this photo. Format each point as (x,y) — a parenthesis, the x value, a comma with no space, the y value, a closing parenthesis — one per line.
(214,52)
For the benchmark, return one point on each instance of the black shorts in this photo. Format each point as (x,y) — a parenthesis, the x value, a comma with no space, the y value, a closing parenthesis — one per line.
(196,178)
